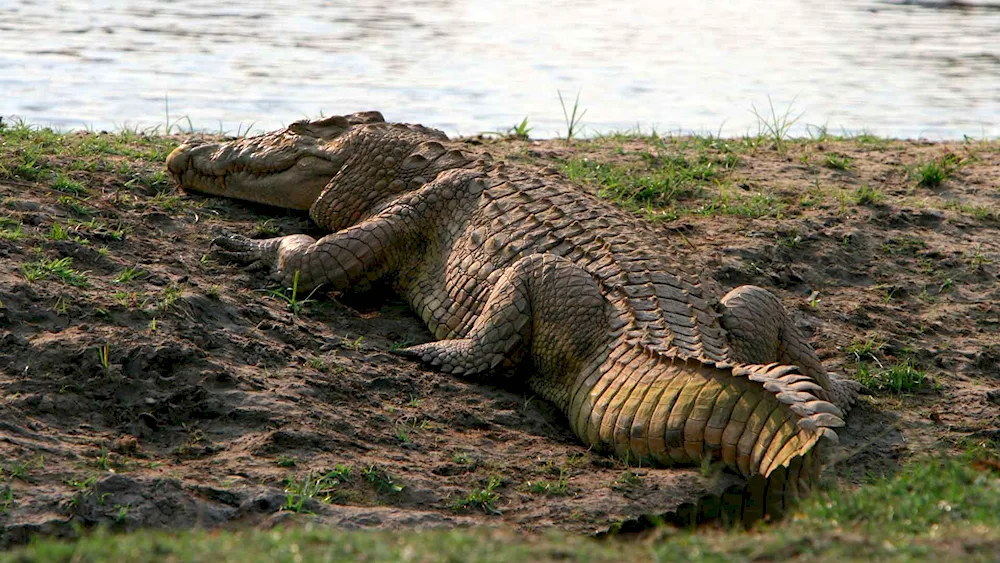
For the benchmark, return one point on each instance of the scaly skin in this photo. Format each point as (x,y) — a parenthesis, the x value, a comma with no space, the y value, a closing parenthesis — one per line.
(506,265)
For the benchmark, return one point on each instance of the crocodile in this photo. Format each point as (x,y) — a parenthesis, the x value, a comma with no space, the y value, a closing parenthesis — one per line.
(514,267)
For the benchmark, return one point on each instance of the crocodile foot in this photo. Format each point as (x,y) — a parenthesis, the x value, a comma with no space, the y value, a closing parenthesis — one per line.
(272,254)
(845,392)
(255,254)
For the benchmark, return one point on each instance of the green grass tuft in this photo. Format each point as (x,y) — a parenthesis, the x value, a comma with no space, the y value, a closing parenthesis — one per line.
(129,274)
(320,486)
(869,196)
(573,117)
(837,161)
(10,230)
(64,184)
(61,268)
(897,378)
(933,173)
(674,178)
(558,487)
(484,498)
(754,206)
(381,479)
(520,130)
(775,127)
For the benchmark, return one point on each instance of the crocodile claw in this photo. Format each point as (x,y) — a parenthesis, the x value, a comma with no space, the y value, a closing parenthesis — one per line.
(256,254)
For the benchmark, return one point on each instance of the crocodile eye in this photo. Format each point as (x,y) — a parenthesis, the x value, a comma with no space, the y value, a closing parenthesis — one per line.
(299,127)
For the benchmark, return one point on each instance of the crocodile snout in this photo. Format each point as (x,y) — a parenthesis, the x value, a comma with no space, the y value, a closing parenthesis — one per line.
(177,160)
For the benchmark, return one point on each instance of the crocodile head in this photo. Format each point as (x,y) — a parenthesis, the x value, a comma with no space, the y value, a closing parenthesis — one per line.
(287,168)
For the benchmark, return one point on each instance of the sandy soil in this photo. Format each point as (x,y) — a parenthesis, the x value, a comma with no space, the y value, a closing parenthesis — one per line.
(191,395)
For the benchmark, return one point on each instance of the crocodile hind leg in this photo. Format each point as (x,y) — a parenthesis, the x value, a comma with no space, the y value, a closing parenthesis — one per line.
(761,332)
(543,305)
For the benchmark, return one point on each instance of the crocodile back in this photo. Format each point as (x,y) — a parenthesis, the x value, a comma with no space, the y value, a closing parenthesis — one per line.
(660,305)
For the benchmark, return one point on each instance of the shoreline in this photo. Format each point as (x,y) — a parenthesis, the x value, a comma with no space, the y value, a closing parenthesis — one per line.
(798,132)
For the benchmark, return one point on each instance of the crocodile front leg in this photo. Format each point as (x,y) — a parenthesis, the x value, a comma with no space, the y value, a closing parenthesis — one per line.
(366,251)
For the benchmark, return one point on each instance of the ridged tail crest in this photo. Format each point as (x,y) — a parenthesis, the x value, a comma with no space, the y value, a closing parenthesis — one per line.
(765,443)
(668,411)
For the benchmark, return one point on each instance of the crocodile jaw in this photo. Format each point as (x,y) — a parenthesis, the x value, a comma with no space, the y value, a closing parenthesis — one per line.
(288,168)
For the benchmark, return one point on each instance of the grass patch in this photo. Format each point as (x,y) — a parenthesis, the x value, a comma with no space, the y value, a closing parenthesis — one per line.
(21,469)
(129,274)
(868,348)
(904,245)
(656,186)
(867,139)
(6,499)
(573,117)
(926,494)
(837,162)
(546,487)
(61,269)
(520,130)
(864,139)
(66,185)
(754,206)
(977,259)
(484,498)
(978,212)
(933,509)
(671,176)
(381,480)
(30,153)
(869,196)
(880,375)
(10,230)
(58,232)
(99,230)
(774,126)
(168,299)
(75,206)
(166,200)
(933,173)
(265,229)
(320,486)
(559,487)
(129,299)
(627,480)
(897,378)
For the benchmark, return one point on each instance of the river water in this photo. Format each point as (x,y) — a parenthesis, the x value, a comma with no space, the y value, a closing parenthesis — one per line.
(905,70)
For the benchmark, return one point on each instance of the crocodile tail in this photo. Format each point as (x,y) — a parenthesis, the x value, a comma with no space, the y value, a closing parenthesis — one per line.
(670,411)
(785,421)
(784,460)
(763,421)
(761,497)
